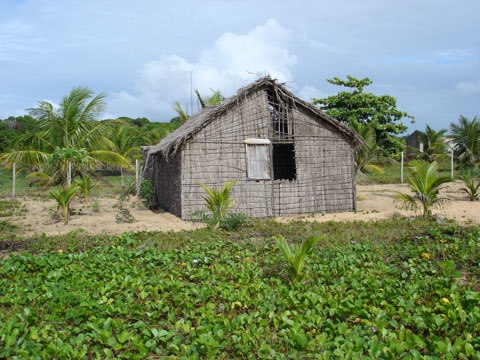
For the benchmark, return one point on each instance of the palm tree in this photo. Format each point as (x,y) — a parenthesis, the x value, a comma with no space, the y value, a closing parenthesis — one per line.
(69,131)
(466,136)
(182,115)
(125,141)
(426,183)
(370,152)
(212,100)
(434,147)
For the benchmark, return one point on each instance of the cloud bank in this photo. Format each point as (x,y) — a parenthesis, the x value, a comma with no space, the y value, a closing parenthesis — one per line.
(233,61)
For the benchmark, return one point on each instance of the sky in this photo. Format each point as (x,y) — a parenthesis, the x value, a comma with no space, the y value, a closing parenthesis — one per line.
(146,54)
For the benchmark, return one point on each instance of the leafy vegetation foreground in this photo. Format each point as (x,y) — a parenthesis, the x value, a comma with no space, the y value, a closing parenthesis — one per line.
(391,289)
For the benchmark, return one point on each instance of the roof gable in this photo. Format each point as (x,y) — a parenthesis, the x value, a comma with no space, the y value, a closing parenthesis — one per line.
(172,142)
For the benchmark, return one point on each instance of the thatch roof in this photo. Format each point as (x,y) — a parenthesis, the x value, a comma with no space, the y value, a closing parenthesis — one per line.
(171,143)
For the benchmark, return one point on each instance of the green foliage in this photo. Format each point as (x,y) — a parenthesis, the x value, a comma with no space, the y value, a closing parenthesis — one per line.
(295,257)
(203,294)
(182,115)
(146,190)
(218,201)
(368,154)
(434,146)
(22,124)
(466,136)
(212,100)
(379,111)
(426,183)
(229,222)
(472,188)
(70,127)
(63,197)
(85,186)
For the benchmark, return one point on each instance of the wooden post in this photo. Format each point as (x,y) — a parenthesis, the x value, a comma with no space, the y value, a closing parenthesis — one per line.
(451,164)
(69,173)
(401,170)
(137,177)
(13,179)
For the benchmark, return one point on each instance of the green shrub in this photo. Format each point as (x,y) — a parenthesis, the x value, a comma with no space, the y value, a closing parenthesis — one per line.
(146,190)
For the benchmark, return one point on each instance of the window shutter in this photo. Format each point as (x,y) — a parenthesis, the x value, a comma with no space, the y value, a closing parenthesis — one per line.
(258,159)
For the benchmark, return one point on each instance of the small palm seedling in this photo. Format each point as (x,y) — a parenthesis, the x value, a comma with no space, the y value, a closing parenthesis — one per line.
(63,198)
(295,256)
(218,201)
(426,183)
(472,188)
(85,185)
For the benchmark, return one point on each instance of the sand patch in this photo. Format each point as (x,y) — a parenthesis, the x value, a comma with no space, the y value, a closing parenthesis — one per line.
(374,202)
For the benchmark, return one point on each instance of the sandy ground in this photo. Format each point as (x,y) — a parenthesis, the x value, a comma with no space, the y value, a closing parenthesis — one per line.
(374,202)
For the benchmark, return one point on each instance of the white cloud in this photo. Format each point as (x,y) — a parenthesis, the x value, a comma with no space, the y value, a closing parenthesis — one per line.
(468,87)
(233,61)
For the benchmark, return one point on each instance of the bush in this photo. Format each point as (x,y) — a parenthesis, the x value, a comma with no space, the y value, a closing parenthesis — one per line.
(228,222)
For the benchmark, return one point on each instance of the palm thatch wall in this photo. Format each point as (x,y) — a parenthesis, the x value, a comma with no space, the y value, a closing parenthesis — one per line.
(309,155)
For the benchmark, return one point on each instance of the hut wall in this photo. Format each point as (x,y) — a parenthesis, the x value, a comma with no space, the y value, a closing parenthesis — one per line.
(167,175)
(216,155)
(325,178)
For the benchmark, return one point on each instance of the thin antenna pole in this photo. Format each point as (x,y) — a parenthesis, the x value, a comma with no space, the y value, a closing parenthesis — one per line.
(191,92)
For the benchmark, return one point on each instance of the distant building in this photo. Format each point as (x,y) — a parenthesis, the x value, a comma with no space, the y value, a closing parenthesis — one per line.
(413,142)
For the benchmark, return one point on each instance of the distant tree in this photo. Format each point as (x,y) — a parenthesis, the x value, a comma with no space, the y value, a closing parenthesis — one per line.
(434,146)
(466,136)
(379,111)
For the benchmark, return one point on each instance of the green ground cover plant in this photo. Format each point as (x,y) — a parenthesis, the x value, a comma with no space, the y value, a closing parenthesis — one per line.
(392,289)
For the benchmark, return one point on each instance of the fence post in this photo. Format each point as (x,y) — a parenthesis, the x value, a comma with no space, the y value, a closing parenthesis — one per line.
(69,173)
(401,170)
(137,177)
(451,164)
(13,179)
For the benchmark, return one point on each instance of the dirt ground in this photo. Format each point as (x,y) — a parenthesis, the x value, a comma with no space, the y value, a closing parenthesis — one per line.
(373,202)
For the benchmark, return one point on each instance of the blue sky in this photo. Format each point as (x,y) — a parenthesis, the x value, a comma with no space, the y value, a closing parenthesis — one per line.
(426,53)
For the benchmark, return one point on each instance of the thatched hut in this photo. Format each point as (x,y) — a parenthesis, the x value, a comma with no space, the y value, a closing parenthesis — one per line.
(287,156)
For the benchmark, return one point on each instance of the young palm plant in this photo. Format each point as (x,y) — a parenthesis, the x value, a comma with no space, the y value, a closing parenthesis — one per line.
(85,186)
(426,183)
(63,198)
(295,256)
(472,188)
(218,201)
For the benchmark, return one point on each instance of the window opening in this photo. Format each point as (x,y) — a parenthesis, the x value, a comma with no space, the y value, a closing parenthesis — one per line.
(280,117)
(284,164)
